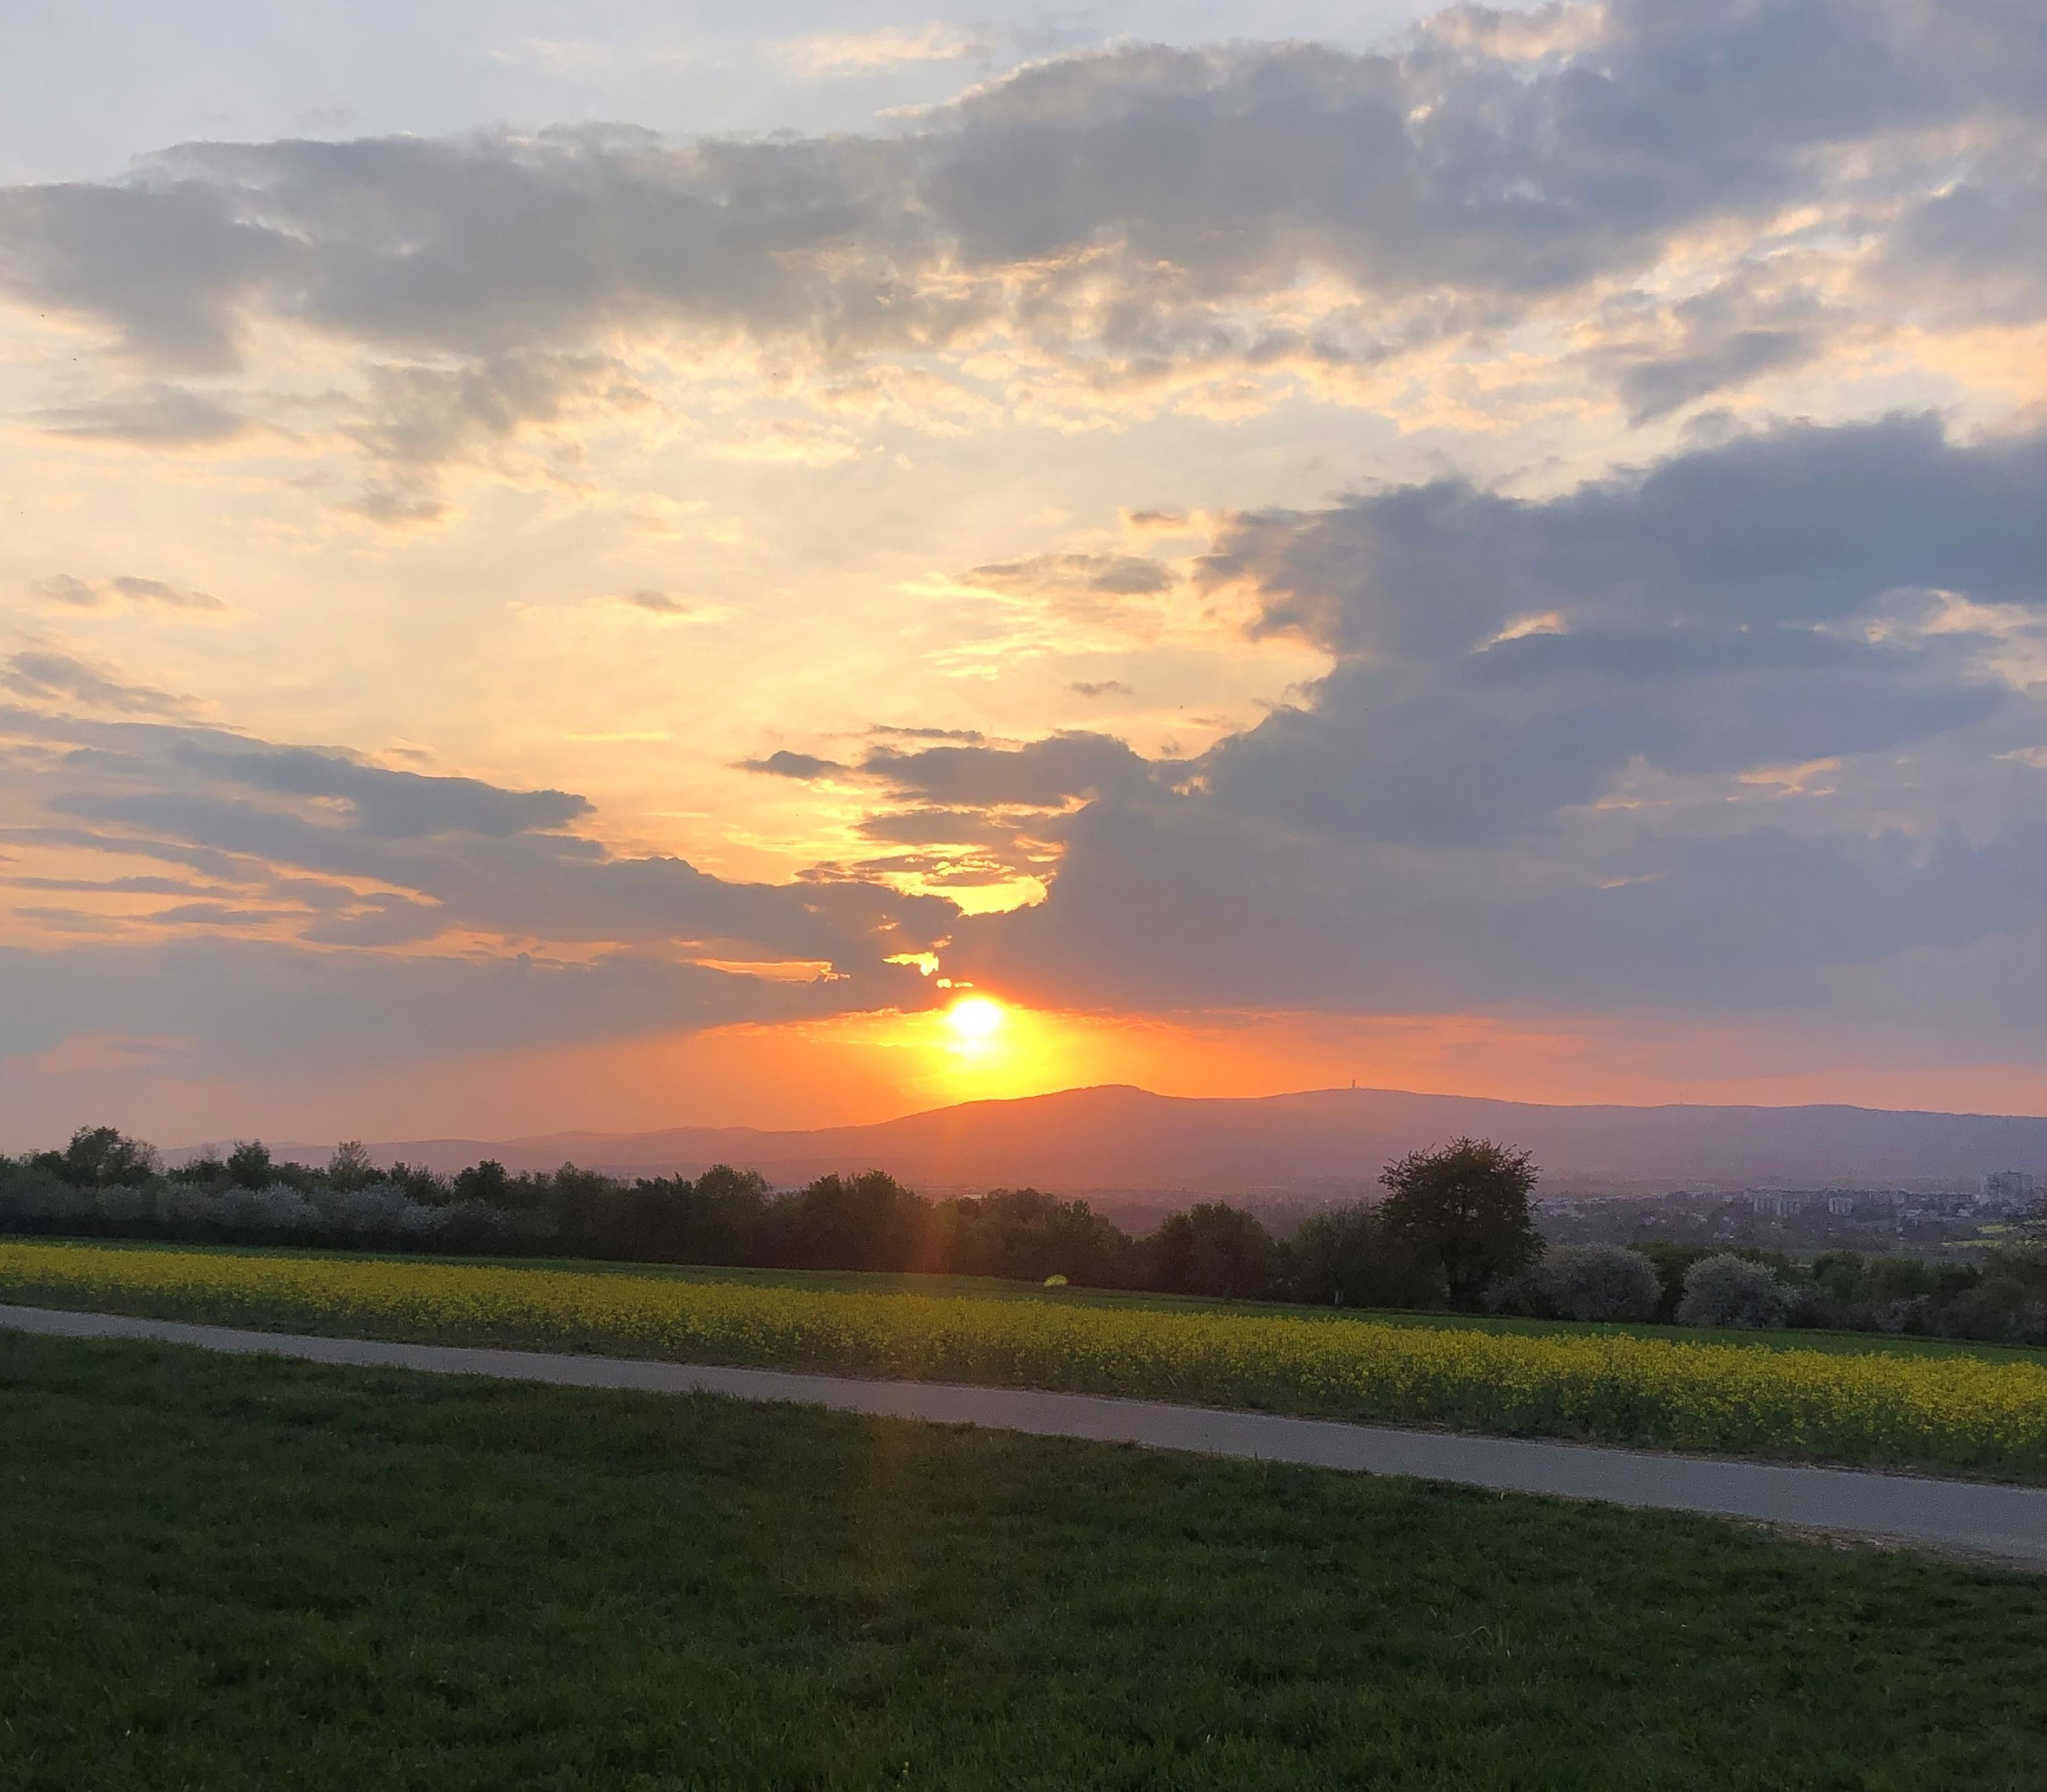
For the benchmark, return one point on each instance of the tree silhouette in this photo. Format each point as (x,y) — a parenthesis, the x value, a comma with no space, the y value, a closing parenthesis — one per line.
(1466,1207)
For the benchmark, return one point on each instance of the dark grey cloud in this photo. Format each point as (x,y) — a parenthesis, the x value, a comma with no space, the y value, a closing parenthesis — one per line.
(45,676)
(1716,342)
(1800,527)
(298,832)
(1985,236)
(1731,608)
(975,813)
(1541,768)
(805,767)
(1048,774)
(257,1009)
(156,416)
(1112,205)
(1179,905)
(1654,388)
(380,920)
(392,805)
(167,262)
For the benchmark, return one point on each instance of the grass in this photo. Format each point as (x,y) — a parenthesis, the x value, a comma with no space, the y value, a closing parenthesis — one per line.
(236,1574)
(987,1288)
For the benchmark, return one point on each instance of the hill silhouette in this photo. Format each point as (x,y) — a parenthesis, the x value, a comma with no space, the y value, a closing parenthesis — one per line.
(1316,1144)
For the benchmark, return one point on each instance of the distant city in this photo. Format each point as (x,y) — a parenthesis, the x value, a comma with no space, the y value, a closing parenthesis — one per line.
(1950,1222)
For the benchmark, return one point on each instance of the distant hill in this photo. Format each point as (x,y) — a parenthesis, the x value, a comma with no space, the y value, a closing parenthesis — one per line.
(1313,1146)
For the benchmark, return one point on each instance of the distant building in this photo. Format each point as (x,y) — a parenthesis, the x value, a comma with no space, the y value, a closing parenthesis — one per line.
(1777,1202)
(2008,1188)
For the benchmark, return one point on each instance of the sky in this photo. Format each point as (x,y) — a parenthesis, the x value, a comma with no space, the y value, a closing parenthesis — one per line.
(617,566)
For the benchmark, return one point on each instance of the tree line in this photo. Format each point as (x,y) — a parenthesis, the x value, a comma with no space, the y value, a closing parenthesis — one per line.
(1456,1229)
(1419,1248)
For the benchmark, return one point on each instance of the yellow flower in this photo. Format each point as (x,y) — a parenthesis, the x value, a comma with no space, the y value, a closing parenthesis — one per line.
(1876,1406)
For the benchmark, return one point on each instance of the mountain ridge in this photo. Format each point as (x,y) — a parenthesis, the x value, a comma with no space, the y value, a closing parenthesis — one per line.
(1304,1143)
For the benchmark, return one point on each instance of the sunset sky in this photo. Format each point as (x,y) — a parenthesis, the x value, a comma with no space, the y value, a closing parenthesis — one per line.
(605,565)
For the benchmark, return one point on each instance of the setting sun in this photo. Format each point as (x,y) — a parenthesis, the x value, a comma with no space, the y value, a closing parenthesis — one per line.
(975,1020)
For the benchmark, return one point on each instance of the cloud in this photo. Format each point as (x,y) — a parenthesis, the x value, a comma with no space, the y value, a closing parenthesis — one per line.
(1111,575)
(78,594)
(1716,342)
(414,422)
(154,417)
(1729,607)
(256,1009)
(804,767)
(1570,751)
(1984,239)
(42,676)
(1048,774)
(62,588)
(1126,216)
(389,805)
(339,851)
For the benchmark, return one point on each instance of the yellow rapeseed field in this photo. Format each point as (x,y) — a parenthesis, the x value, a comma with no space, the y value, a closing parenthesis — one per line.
(1954,1411)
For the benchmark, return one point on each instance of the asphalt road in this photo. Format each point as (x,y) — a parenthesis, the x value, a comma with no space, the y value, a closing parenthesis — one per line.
(2008,1522)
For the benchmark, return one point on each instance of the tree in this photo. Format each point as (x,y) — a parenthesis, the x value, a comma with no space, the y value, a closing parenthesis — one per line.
(1342,1256)
(98,1156)
(867,1222)
(1213,1249)
(1026,1235)
(1465,1207)
(350,1168)
(248,1164)
(489,1180)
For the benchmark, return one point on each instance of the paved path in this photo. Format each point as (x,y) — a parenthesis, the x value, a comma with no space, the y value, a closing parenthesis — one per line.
(2007,1522)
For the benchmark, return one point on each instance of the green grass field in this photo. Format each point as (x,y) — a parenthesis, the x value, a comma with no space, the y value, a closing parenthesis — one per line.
(984,1287)
(235,1574)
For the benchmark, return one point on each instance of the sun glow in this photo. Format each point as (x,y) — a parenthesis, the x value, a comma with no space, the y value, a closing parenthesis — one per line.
(976,1021)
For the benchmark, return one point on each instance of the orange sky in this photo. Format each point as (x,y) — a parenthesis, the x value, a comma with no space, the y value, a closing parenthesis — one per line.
(874,1067)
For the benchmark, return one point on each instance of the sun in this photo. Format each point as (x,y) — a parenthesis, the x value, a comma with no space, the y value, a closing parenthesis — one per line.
(975,1020)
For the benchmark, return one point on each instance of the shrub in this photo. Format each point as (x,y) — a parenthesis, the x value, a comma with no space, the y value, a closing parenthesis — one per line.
(1727,1290)
(1591,1282)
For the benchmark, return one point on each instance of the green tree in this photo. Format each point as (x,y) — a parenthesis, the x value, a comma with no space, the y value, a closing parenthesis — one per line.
(1026,1235)
(98,1156)
(349,1167)
(250,1164)
(489,1180)
(867,1222)
(1213,1249)
(1465,1207)
(1344,1257)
